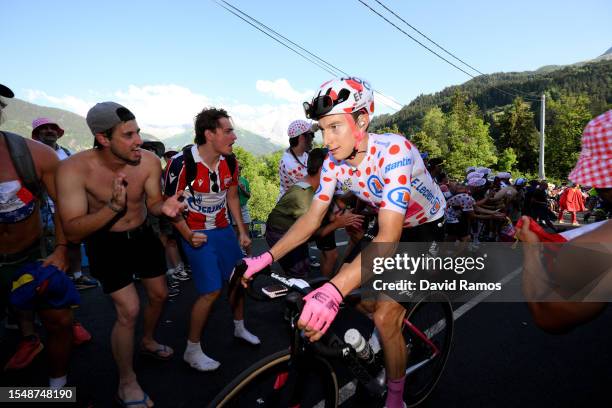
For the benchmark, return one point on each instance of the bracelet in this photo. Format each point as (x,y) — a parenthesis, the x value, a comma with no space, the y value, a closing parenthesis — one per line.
(115,209)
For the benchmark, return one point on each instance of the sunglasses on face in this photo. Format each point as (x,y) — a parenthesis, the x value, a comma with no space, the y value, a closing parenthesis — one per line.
(214,187)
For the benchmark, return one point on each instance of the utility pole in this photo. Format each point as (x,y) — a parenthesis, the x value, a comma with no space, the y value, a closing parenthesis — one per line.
(542,121)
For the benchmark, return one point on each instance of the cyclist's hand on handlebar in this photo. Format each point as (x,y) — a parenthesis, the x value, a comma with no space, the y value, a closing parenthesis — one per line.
(254,265)
(320,310)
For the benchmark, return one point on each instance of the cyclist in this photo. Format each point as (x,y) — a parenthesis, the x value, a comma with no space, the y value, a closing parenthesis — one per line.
(386,171)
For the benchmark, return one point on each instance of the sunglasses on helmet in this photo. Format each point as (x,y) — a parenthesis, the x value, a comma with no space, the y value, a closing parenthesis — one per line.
(323,104)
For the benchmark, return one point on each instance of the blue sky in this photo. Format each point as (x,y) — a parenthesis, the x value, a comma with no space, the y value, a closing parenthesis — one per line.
(167,59)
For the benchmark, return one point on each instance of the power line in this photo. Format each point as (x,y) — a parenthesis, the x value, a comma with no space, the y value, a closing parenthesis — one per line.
(439,46)
(314,59)
(433,52)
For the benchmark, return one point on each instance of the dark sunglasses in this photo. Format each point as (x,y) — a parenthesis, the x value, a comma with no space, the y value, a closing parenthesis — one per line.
(323,104)
(309,134)
(215,186)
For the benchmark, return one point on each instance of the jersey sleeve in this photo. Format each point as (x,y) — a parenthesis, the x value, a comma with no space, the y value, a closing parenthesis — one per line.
(327,183)
(397,170)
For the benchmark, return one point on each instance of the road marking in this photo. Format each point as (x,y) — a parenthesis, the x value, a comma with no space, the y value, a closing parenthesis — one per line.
(463,309)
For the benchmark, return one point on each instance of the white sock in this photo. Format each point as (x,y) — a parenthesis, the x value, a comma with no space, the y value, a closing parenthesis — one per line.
(196,358)
(57,383)
(77,274)
(241,332)
(193,347)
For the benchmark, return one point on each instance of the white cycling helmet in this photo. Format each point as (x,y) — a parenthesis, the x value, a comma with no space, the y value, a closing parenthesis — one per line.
(341,95)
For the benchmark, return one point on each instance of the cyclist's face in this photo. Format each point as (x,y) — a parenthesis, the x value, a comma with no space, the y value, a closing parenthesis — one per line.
(339,134)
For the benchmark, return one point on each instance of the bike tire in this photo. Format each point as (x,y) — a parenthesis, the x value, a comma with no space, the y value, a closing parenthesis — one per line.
(262,384)
(433,314)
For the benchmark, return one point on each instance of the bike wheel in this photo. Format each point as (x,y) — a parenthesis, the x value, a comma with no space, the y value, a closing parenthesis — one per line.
(274,381)
(433,317)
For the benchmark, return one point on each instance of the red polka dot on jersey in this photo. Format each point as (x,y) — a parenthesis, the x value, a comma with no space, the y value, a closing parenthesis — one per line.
(358,173)
(408,145)
(331,165)
(383,204)
(350,172)
(327,179)
(372,150)
(387,181)
(300,168)
(365,193)
(342,169)
(402,179)
(423,220)
(368,171)
(381,161)
(324,197)
(361,184)
(394,149)
(420,215)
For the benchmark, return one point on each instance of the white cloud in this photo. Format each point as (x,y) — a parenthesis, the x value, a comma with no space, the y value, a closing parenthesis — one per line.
(166,110)
(282,89)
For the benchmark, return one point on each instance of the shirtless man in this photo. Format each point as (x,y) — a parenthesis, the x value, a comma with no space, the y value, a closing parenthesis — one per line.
(21,230)
(105,195)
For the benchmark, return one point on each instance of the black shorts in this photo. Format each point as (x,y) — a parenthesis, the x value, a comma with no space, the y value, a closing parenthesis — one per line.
(115,257)
(326,243)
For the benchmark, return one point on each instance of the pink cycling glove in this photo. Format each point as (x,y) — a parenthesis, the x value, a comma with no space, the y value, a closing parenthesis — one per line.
(321,307)
(257,263)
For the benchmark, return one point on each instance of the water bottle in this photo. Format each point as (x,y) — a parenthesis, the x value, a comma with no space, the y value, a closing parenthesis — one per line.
(361,346)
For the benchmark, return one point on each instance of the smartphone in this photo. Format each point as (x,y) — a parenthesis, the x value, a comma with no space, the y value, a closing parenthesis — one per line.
(274,291)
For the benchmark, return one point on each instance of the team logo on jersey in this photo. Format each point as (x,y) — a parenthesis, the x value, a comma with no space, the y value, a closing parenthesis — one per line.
(200,181)
(400,196)
(435,207)
(406,161)
(172,177)
(375,185)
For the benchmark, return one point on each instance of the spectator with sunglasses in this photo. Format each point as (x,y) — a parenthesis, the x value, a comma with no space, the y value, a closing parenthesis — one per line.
(209,241)
(293,164)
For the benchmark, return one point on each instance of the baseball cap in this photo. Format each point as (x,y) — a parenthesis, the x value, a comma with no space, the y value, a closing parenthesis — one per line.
(594,166)
(6,91)
(105,115)
(36,123)
(298,127)
(503,175)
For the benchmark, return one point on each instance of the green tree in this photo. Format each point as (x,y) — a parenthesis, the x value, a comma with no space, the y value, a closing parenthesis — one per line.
(434,126)
(469,142)
(506,160)
(388,129)
(427,144)
(517,131)
(565,120)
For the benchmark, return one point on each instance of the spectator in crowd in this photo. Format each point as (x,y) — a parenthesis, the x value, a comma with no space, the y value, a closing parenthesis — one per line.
(292,205)
(20,245)
(105,194)
(571,200)
(208,239)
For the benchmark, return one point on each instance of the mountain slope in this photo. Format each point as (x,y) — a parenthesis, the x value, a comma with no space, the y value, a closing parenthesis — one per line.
(492,92)
(77,136)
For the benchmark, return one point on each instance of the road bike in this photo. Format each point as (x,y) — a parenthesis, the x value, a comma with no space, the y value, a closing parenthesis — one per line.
(304,375)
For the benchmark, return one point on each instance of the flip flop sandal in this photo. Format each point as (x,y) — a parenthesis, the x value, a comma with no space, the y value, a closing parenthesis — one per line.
(125,404)
(156,354)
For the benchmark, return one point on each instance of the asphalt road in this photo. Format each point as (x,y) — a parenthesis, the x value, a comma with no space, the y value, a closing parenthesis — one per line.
(498,358)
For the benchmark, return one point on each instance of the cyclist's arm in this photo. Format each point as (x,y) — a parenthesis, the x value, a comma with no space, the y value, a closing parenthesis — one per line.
(301,230)
(390,225)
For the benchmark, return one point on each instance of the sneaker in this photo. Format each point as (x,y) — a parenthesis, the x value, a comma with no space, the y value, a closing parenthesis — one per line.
(84,282)
(28,348)
(80,335)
